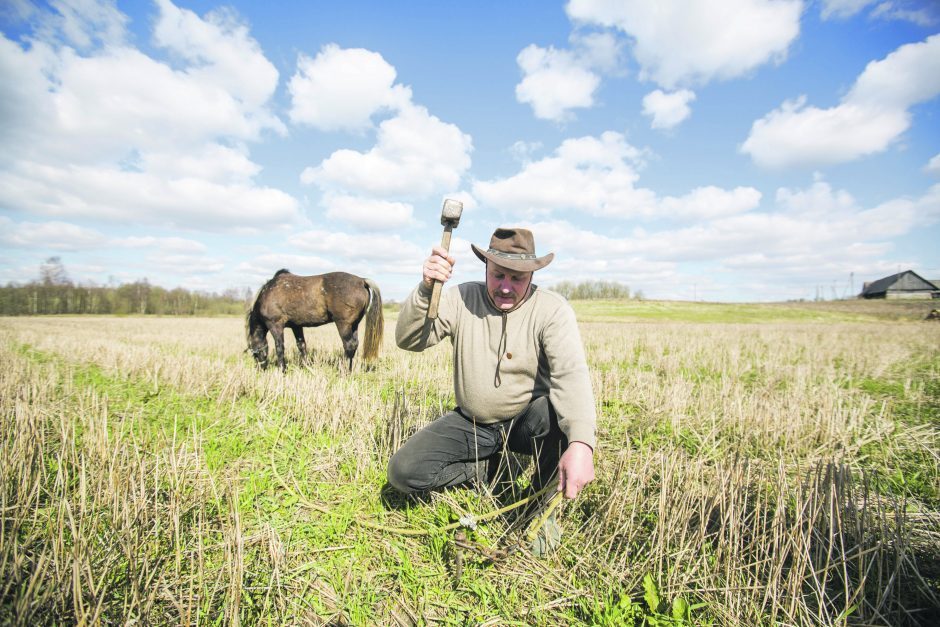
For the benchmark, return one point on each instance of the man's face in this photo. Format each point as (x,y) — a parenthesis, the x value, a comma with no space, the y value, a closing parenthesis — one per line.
(506,287)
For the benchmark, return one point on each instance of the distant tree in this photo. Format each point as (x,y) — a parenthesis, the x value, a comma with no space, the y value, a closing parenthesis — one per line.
(54,293)
(52,272)
(592,290)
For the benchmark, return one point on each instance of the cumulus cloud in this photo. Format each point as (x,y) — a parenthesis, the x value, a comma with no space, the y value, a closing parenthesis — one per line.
(415,155)
(370,214)
(263,267)
(111,133)
(221,52)
(167,245)
(667,109)
(933,166)
(81,23)
(114,195)
(598,176)
(385,247)
(52,235)
(841,9)
(807,233)
(341,89)
(924,15)
(555,81)
(369,254)
(682,43)
(872,115)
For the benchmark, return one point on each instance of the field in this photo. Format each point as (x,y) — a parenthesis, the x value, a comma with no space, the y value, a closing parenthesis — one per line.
(757,465)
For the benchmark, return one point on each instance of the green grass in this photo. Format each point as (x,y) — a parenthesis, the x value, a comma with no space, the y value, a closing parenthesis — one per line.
(284,482)
(903,467)
(703,312)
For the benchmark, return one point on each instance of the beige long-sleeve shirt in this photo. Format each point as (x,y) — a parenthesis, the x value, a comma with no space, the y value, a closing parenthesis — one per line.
(502,362)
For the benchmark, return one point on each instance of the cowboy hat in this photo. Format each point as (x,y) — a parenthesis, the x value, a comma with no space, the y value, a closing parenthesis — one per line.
(513,249)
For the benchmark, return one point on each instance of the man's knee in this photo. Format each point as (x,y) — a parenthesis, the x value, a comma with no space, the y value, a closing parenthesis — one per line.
(540,419)
(405,474)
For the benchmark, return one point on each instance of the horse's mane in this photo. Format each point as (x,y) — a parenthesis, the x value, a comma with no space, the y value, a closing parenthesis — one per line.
(253,319)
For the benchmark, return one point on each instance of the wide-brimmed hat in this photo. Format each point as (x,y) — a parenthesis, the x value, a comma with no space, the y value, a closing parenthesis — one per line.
(513,249)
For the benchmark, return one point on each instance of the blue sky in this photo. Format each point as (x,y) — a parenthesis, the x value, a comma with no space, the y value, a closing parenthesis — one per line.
(724,150)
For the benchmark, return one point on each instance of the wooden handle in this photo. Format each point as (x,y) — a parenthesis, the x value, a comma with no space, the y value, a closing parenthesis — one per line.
(436,290)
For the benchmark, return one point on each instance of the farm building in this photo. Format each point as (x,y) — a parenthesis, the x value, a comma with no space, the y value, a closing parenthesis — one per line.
(907,284)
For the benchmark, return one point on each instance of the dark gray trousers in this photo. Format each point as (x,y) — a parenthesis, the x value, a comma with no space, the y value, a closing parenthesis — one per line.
(453,450)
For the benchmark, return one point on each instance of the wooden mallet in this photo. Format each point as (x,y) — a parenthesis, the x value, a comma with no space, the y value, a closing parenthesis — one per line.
(450,218)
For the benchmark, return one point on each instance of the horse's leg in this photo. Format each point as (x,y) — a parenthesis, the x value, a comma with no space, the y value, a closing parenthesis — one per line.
(277,331)
(301,342)
(350,337)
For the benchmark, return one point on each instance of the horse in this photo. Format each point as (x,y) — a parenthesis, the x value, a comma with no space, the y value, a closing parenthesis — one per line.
(293,301)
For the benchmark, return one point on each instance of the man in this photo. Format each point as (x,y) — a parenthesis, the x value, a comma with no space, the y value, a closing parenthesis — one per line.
(520,376)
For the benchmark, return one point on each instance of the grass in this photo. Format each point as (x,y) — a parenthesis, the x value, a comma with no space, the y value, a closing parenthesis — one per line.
(730,313)
(758,465)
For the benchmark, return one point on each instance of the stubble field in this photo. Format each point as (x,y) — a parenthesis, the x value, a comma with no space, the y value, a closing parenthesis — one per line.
(762,469)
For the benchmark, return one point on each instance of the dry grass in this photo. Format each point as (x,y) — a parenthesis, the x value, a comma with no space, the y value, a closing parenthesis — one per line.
(763,473)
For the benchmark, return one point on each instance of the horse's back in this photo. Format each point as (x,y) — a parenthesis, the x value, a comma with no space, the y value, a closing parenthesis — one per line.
(316,299)
(295,299)
(346,294)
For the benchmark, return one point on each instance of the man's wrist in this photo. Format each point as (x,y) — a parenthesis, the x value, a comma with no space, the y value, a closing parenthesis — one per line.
(584,444)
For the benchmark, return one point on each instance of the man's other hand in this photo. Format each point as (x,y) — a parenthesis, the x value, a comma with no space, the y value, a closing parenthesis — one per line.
(575,469)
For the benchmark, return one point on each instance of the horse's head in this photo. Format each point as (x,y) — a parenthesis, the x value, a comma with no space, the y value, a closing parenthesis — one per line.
(257,335)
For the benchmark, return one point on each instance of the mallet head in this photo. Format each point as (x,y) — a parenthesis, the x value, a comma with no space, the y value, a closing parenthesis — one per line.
(450,214)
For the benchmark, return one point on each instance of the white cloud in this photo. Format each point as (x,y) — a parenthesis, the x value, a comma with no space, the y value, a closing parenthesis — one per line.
(416,154)
(926,15)
(122,100)
(211,162)
(221,53)
(113,134)
(263,267)
(709,202)
(556,81)
(52,235)
(369,214)
(369,255)
(933,166)
(598,176)
(590,174)
(24,103)
(667,110)
(872,115)
(809,233)
(386,247)
(908,76)
(841,9)
(915,11)
(112,194)
(341,89)
(797,135)
(522,151)
(682,42)
(84,23)
(166,245)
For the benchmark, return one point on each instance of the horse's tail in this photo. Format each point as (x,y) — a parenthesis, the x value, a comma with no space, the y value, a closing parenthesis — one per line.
(375,323)
(254,319)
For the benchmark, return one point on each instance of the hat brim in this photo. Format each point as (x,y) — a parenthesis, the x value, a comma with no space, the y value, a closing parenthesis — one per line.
(519,265)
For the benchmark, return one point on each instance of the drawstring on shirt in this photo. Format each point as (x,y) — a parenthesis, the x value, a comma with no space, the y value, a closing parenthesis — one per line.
(497,380)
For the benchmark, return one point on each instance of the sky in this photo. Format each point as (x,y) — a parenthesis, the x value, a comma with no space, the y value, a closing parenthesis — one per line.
(715,150)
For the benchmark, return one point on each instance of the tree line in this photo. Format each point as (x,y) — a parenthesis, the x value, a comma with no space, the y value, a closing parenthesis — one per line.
(55,293)
(595,290)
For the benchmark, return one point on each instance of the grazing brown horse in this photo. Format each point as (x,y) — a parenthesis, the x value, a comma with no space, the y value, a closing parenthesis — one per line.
(292,301)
